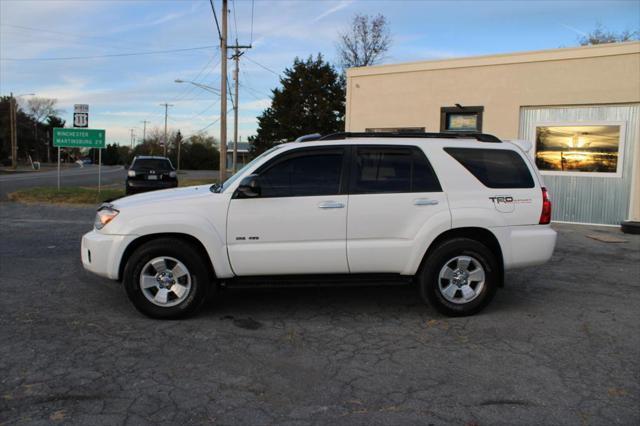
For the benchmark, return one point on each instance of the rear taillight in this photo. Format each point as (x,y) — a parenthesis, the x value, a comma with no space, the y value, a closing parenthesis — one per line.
(545,216)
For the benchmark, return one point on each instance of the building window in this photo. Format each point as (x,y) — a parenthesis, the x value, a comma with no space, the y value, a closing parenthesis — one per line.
(580,149)
(395,129)
(461,119)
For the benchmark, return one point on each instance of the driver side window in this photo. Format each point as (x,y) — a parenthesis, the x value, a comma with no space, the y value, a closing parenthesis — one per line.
(303,174)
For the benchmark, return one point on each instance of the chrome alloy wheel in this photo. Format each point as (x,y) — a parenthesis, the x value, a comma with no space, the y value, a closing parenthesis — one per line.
(165,281)
(461,279)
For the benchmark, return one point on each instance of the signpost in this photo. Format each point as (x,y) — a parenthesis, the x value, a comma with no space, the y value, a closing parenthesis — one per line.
(80,138)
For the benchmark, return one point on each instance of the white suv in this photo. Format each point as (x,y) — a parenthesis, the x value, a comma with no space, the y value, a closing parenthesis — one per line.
(448,213)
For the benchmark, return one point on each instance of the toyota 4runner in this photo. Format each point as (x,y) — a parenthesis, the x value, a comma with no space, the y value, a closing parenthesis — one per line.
(448,213)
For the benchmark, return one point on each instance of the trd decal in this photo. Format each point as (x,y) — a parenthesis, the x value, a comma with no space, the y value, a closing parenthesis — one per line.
(506,199)
(501,199)
(245,238)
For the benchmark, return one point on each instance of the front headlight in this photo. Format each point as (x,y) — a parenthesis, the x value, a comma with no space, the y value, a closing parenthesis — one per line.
(173,174)
(131,173)
(104,215)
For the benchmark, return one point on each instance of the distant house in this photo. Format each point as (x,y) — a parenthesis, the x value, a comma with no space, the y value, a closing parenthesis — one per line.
(243,155)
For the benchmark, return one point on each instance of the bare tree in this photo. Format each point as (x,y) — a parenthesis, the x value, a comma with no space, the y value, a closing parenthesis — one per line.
(601,35)
(41,108)
(365,43)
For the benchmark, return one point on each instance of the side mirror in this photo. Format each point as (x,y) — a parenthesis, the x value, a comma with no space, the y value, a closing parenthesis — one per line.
(248,188)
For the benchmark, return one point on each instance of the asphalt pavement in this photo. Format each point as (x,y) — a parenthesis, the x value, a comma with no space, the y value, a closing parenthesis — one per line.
(559,345)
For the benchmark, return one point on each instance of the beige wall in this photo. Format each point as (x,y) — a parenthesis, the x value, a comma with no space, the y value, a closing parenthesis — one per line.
(411,95)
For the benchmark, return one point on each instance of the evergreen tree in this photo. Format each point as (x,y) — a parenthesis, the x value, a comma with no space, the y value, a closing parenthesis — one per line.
(310,99)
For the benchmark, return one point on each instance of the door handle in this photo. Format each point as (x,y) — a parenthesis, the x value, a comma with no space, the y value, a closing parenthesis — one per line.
(425,202)
(331,205)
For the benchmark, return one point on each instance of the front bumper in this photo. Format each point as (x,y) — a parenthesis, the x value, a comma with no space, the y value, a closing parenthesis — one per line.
(149,185)
(102,253)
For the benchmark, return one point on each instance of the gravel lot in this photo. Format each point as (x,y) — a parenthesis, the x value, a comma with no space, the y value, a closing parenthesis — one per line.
(559,345)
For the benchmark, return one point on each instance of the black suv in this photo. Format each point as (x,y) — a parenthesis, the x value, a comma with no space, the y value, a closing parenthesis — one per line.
(149,173)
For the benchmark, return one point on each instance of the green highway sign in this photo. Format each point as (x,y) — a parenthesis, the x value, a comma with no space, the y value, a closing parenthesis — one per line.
(79,138)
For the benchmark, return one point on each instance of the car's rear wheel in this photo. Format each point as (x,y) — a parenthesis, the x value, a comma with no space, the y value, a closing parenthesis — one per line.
(167,278)
(460,277)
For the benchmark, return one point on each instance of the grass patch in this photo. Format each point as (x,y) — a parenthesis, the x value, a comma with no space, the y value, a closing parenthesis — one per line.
(66,195)
(82,194)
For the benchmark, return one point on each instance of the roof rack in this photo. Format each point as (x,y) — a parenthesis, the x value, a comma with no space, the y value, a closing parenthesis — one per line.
(309,137)
(480,137)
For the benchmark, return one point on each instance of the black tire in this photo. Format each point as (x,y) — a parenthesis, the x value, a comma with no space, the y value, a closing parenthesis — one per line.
(184,252)
(428,277)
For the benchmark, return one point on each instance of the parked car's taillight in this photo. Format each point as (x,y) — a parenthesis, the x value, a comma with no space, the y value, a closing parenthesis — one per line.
(545,216)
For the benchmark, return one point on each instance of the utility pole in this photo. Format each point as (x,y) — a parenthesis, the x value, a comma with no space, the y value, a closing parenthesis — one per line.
(144,130)
(179,142)
(236,78)
(48,146)
(14,128)
(132,139)
(223,94)
(166,110)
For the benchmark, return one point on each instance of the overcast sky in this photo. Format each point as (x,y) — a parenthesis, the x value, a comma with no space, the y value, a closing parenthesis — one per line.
(124,90)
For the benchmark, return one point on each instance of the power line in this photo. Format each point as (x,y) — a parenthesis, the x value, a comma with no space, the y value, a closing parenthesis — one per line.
(213,9)
(212,123)
(198,114)
(70,58)
(252,4)
(259,92)
(263,66)
(235,20)
(67,41)
(254,93)
(230,95)
(66,34)
(189,89)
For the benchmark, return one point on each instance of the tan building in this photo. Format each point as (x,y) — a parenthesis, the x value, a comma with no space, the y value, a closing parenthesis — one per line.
(580,108)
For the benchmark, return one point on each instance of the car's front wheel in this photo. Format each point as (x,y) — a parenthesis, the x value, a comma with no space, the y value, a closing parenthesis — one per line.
(166,278)
(460,277)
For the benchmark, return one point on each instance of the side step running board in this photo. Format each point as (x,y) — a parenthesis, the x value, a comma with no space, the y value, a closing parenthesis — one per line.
(280,281)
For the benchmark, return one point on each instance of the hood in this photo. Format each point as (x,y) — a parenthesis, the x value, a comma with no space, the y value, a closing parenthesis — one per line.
(164,196)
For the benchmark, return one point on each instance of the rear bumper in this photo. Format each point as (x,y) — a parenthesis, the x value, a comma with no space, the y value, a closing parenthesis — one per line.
(526,245)
(101,253)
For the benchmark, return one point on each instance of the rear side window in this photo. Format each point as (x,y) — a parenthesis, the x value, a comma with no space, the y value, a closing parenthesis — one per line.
(392,170)
(495,168)
(303,175)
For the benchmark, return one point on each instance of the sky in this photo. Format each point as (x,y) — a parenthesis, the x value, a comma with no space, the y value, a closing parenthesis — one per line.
(124,90)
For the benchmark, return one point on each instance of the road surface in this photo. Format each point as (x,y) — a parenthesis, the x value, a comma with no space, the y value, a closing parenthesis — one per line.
(559,345)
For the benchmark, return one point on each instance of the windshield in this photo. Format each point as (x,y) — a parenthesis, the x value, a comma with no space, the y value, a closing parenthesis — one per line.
(227,183)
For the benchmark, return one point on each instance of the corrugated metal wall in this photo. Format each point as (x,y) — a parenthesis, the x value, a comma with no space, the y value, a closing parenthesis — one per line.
(588,199)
